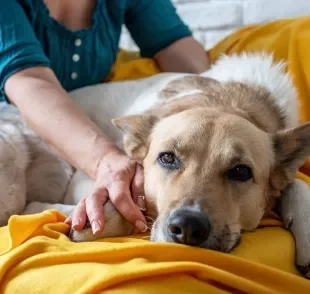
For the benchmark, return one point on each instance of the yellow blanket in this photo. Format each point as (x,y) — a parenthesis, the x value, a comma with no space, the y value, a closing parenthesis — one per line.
(37,257)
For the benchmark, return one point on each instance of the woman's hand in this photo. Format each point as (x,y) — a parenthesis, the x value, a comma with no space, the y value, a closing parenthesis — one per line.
(119,179)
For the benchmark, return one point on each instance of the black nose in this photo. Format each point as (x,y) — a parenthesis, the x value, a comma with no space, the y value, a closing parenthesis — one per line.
(189,227)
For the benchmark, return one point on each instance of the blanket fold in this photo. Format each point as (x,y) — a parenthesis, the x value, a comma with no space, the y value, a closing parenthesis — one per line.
(37,257)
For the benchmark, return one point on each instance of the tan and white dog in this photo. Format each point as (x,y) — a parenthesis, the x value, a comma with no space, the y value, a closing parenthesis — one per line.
(218,150)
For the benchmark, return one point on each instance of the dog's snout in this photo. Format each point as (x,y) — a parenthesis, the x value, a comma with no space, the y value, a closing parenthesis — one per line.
(189,227)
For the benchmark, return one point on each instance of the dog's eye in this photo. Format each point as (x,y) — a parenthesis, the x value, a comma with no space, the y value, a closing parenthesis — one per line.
(240,173)
(169,160)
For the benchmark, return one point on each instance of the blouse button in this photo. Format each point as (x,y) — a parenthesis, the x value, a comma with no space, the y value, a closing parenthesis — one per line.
(75,57)
(78,42)
(74,76)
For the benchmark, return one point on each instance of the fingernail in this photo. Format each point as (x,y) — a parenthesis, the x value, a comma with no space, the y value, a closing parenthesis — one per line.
(76,224)
(141,203)
(141,226)
(95,227)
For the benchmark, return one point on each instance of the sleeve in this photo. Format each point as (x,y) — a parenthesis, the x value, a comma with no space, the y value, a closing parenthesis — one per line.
(19,47)
(154,25)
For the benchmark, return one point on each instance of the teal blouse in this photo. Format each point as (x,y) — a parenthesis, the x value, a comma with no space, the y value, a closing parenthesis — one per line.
(29,37)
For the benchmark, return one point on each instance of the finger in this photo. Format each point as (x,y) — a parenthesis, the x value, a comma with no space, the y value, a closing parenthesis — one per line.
(137,188)
(141,203)
(94,208)
(68,220)
(120,196)
(79,216)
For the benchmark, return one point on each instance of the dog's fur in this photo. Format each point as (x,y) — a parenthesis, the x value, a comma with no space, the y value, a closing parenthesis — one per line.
(244,111)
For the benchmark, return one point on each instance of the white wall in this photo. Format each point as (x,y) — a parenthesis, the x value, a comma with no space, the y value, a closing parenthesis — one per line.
(212,20)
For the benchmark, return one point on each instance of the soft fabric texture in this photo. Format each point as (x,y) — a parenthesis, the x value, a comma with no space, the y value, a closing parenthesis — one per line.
(37,257)
(29,37)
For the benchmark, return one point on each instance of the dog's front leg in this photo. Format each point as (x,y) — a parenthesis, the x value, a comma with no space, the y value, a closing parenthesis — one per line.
(114,226)
(295,212)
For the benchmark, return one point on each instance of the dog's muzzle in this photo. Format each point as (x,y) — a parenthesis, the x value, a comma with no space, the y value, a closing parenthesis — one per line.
(188,227)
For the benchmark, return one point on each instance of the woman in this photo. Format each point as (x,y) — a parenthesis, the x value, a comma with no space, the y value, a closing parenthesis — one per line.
(49,47)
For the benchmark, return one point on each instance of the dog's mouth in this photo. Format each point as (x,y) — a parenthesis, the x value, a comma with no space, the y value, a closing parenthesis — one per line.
(193,228)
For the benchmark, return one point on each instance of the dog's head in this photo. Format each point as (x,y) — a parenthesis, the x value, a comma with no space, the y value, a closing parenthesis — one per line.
(211,174)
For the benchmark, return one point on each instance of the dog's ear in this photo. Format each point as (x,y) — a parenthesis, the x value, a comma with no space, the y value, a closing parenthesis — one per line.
(136,129)
(291,149)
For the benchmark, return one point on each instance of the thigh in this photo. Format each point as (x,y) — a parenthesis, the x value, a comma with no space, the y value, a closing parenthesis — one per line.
(14,159)
(47,176)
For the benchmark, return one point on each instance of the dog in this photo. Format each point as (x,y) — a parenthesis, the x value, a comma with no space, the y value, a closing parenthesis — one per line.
(219,150)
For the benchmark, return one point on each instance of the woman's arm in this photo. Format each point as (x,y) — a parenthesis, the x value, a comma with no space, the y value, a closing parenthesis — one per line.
(161,34)
(28,82)
(49,111)
(184,55)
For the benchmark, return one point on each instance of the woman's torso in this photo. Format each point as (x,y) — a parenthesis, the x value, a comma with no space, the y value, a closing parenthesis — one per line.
(83,50)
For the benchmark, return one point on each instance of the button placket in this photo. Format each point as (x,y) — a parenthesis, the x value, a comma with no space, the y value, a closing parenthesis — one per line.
(76,57)
(74,76)
(78,42)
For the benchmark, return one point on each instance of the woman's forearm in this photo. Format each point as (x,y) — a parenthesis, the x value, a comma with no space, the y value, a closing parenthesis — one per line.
(52,114)
(185,55)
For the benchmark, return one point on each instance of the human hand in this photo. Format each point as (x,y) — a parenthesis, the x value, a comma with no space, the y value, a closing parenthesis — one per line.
(119,179)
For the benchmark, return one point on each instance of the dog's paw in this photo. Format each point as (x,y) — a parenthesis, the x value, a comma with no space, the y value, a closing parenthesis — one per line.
(294,208)
(302,243)
(304,270)
(113,227)
(85,235)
